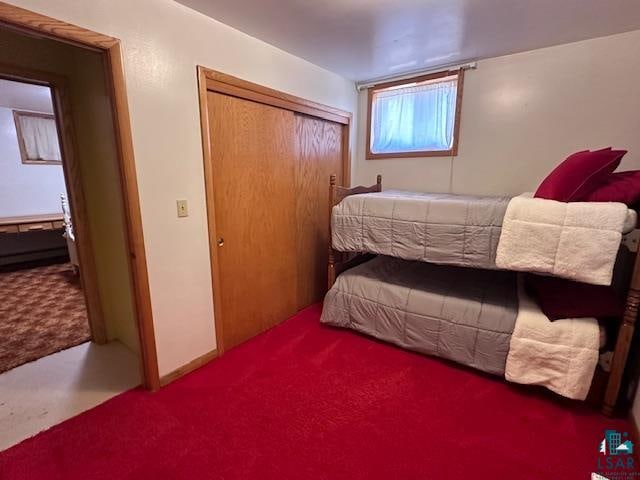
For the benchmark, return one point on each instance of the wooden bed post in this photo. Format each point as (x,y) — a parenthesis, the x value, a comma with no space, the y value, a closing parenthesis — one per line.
(623,343)
(339,261)
(331,273)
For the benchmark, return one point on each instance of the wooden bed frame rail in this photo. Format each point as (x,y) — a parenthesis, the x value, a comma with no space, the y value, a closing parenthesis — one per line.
(341,261)
(623,342)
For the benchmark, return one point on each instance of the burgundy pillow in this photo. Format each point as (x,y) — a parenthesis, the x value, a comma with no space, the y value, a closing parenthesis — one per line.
(623,187)
(559,298)
(580,174)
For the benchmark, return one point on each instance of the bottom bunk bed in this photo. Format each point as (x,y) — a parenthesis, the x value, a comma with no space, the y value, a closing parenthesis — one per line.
(482,318)
(479,318)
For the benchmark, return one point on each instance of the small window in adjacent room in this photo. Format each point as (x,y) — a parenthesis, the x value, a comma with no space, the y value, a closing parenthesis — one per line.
(418,117)
(37,138)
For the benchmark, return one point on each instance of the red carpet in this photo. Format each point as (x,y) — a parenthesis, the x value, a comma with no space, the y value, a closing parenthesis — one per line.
(310,402)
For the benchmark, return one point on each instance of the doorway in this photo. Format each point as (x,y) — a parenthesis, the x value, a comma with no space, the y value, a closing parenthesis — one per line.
(84,75)
(108,96)
(42,305)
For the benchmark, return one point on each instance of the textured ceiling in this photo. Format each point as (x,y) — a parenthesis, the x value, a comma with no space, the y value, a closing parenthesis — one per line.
(364,39)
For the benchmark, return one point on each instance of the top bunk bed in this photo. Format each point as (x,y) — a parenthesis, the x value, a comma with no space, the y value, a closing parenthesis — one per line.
(457,231)
(520,233)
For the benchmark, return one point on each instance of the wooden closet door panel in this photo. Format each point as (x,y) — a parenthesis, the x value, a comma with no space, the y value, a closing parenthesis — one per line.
(319,145)
(253,166)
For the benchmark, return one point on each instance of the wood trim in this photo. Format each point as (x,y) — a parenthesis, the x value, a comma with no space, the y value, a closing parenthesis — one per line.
(367,127)
(73,176)
(458,118)
(229,85)
(188,368)
(417,79)
(21,146)
(41,25)
(452,152)
(222,83)
(211,212)
(346,154)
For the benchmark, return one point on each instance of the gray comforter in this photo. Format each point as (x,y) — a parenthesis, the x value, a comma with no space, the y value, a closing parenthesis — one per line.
(461,314)
(431,227)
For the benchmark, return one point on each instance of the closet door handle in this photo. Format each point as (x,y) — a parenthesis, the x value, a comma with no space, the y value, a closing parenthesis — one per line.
(220,241)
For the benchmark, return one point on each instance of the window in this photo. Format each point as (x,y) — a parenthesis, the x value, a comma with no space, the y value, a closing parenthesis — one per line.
(37,138)
(415,118)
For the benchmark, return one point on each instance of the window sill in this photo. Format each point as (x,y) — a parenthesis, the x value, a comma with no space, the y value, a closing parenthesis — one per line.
(41,162)
(431,153)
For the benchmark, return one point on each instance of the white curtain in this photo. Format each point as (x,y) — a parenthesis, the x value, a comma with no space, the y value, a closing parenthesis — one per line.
(40,137)
(414,118)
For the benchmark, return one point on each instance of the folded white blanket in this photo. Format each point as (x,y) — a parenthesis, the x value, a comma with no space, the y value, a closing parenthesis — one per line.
(561,355)
(577,240)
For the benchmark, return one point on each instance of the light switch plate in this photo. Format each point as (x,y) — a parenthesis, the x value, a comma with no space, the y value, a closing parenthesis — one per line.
(183,209)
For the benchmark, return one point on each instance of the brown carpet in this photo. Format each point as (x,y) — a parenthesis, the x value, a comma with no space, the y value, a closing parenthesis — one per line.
(42,311)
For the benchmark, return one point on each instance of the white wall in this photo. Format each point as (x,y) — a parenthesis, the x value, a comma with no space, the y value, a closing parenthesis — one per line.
(522,114)
(162,44)
(25,189)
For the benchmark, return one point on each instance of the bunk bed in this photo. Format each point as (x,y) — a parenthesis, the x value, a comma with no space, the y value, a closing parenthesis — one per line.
(426,272)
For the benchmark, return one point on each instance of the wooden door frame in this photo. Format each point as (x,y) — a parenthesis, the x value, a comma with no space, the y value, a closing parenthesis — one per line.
(35,24)
(214,81)
(66,134)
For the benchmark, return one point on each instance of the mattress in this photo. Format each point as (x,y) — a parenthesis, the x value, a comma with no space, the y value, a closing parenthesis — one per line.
(440,228)
(464,315)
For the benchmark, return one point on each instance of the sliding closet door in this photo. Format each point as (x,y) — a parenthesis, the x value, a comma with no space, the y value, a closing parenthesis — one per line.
(319,151)
(253,161)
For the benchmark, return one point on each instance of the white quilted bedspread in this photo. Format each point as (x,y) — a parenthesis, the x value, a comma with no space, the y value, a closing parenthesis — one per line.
(577,240)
